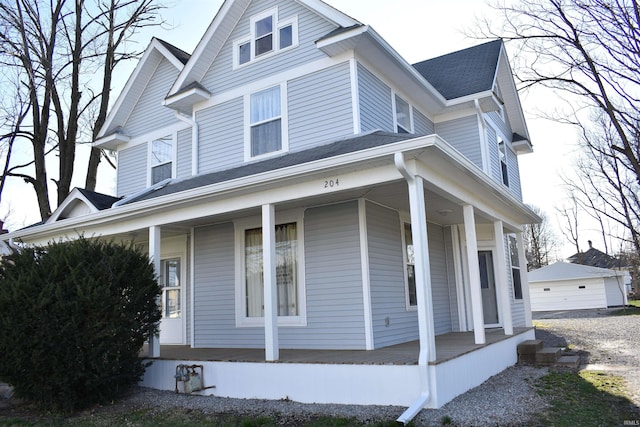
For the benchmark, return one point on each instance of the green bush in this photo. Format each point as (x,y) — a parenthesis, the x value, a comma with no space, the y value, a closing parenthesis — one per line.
(73,318)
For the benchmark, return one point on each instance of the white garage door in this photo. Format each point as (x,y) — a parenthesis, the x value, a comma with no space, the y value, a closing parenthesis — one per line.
(568,295)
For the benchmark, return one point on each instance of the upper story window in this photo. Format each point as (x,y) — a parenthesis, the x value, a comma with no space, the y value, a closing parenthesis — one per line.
(267,35)
(161,159)
(403,116)
(502,153)
(266,129)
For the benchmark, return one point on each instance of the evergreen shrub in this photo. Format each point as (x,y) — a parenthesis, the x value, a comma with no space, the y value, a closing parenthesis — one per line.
(73,319)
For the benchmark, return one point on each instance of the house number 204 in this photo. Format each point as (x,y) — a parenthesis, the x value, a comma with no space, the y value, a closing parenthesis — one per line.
(331,183)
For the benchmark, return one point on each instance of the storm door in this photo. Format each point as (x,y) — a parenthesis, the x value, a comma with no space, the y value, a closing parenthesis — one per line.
(488,287)
(171,326)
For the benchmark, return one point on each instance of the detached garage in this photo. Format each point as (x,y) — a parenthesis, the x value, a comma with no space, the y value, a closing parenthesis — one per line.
(566,286)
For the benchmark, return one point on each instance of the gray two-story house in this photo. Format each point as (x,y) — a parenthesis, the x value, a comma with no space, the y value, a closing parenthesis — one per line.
(329,222)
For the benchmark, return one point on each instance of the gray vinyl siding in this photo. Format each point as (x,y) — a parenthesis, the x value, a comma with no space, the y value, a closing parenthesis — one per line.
(311,27)
(513,167)
(387,278)
(464,136)
(183,161)
(148,113)
(494,155)
(517,305)
(335,313)
(421,124)
(221,136)
(375,102)
(214,294)
(132,170)
(320,107)
(502,126)
(439,279)
(188,310)
(451,279)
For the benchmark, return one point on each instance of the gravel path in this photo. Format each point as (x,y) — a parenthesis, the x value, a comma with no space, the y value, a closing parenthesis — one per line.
(608,343)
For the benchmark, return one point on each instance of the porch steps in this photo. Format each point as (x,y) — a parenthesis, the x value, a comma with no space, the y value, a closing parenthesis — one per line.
(533,352)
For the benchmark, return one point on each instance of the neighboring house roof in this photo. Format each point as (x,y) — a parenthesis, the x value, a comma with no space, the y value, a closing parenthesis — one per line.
(357,143)
(595,258)
(464,72)
(567,271)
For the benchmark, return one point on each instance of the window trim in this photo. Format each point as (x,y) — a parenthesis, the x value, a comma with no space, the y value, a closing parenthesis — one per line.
(251,37)
(405,263)
(180,288)
(240,226)
(503,163)
(174,156)
(284,125)
(513,246)
(394,97)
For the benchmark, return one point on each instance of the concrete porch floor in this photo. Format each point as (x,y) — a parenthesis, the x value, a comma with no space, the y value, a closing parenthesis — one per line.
(448,346)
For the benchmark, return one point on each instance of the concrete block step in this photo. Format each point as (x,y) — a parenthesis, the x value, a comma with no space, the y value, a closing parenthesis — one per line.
(548,356)
(568,361)
(530,347)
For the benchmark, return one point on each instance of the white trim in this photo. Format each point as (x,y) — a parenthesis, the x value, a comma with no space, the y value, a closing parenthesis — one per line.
(491,248)
(242,224)
(156,134)
(173,161)
(192,286)
(355,96)
(366,279)
(270,283)
(474,273)
(329,12)
(502,280)
(394,108)
(461,292)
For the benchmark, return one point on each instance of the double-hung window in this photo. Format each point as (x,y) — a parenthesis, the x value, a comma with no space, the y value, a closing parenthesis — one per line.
(267,34)
(515,267)
(502,153)
(171,289)
(403,116)
(289,275)
(161,159)
(265,122)
(410,271)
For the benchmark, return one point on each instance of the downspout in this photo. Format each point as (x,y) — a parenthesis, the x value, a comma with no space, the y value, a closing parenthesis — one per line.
(423,357)
(195,143)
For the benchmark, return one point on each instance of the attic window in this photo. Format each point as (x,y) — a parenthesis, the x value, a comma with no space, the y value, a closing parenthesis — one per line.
(267,36)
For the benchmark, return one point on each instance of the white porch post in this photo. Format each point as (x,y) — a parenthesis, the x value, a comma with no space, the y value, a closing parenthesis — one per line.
(524,281)
(474,274)
(422,271)
(272,351)
(155,234)
(501,278)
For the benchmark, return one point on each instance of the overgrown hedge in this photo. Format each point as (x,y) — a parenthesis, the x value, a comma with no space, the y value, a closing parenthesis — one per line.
(73,318)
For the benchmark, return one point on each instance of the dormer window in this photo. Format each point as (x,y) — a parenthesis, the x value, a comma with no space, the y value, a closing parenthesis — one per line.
(403,117)
(267,36)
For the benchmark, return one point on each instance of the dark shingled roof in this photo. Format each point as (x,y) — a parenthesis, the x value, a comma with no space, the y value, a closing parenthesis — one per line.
(357,143)
(464,72)
(99,200)
(595,258)
(180,54)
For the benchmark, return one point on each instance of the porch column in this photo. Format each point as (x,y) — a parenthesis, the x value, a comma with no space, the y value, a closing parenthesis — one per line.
(474,274)
(272,351)
(502,279)
(155,234)
(422,271)
(524,280)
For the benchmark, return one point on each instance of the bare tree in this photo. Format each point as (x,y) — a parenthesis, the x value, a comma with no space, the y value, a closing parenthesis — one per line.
(569,221)
(57,48)
(540,241)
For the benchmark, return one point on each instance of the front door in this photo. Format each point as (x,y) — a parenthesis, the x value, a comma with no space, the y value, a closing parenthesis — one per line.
(171,325)
(488,286)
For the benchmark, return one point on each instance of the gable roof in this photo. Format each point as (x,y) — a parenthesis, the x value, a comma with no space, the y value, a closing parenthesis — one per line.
(465,72)
(138,80)
(224,23)
(561,271)
(81,198)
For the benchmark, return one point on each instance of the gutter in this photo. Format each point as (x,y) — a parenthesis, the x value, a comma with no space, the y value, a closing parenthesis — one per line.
(423,357)
(195,143)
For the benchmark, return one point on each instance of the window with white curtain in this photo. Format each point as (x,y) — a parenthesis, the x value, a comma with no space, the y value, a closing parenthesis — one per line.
(403,116)
(265,122)
(287,271)
(161,159)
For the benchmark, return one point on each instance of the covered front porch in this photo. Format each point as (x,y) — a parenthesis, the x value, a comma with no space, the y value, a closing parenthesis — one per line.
(386,376)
